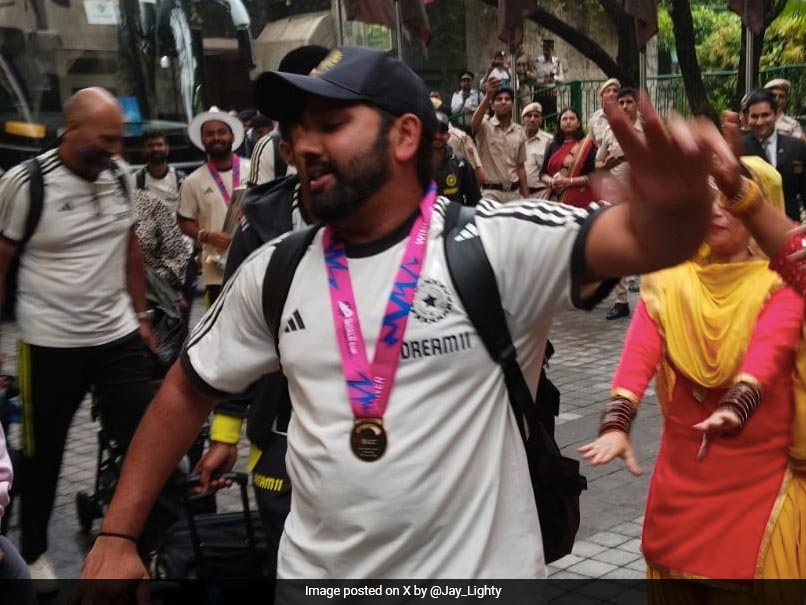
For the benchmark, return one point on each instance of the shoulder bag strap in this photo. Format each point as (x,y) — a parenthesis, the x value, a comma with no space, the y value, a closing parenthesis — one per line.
(36,190)
(280,273)
(475,283)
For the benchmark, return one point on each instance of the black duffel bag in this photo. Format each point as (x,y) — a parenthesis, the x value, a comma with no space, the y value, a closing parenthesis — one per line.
(555,479)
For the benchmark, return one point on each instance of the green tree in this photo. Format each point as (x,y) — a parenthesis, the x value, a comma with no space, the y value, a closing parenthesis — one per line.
(719,42)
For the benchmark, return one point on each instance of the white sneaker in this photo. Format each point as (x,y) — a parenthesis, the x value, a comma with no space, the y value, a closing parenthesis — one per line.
(43,575)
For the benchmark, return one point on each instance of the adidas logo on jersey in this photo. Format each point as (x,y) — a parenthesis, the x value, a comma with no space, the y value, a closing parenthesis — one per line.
(66,207)
(468,232)
(294,323)
(208,191)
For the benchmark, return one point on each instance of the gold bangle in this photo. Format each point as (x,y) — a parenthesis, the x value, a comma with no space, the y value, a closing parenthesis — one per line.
(745,201)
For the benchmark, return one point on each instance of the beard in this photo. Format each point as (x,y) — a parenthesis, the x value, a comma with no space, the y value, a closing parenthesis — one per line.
(157,157)
(218,151)
(355,182)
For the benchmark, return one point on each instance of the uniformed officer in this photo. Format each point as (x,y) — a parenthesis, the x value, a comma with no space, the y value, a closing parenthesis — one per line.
(781,89)
(549,73)
(453,173)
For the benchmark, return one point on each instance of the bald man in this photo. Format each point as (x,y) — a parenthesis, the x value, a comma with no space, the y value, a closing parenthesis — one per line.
(81,305)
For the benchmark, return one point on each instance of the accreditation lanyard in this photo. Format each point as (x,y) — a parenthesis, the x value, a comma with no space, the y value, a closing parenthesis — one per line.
(236,177)
(370,385)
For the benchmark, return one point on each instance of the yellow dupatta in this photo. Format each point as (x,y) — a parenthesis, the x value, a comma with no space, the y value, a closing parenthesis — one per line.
(766,177)
(706,314)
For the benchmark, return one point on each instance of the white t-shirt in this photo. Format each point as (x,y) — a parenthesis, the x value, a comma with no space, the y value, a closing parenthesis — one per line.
(451,496)
(165,188)
(72,278)
(200,199)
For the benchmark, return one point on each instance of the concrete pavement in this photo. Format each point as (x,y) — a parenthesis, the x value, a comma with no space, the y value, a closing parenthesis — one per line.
(587,349)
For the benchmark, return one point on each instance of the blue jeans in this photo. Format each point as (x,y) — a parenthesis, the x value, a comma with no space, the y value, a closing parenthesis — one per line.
(13,567)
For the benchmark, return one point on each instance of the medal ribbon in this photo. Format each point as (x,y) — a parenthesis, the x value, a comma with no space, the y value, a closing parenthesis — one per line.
(370,386)
(236,177)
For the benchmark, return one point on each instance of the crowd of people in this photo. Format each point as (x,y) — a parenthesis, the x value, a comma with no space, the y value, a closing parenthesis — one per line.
(384,450)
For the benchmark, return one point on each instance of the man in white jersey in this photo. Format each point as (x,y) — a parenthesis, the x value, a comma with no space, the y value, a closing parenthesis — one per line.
(158,176)
(205,195)
(450,495)
(81,304)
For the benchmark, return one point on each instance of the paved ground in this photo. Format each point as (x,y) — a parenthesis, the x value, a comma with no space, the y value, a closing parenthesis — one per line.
(612,507)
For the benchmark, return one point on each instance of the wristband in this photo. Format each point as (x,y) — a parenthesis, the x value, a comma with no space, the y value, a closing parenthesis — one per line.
(201,236)
(141,315)
(745,201)
(114,534)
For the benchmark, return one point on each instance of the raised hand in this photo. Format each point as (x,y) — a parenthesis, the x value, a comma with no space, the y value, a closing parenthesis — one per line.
(668,165)
(493,84)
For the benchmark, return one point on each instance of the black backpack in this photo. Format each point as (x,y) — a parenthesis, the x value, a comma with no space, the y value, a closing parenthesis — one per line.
(36,193)
(555,479)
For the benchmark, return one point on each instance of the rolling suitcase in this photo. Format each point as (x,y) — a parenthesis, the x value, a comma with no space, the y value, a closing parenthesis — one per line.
(213,545)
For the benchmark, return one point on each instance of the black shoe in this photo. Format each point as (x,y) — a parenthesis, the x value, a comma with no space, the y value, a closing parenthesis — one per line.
(618,310)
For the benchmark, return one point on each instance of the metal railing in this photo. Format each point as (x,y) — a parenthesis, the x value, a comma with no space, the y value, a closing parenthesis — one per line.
(668,93)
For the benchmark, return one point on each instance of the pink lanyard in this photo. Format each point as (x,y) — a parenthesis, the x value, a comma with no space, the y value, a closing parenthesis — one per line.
(370,386)
(236,177)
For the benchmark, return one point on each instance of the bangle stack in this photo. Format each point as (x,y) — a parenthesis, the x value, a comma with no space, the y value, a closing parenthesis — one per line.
(742,398)
(617,416)
(745,201)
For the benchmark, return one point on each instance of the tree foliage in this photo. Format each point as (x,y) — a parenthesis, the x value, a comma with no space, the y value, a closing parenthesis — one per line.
(718,38)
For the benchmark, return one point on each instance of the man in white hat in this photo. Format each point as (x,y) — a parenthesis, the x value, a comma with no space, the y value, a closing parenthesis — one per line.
(537,142)
(597,124)
(205,195)
(787,125)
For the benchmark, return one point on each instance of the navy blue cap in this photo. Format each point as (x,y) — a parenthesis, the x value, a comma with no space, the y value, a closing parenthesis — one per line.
(349,73)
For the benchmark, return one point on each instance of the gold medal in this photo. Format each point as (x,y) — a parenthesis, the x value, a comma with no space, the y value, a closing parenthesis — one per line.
(368,439)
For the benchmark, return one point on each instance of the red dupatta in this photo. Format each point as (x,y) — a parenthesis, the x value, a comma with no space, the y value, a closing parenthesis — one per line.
(569,161)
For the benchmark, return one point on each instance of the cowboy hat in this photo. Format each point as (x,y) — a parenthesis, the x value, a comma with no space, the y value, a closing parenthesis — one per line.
(215,114)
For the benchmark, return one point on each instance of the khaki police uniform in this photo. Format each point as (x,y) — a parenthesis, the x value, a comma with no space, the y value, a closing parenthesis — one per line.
(501,150)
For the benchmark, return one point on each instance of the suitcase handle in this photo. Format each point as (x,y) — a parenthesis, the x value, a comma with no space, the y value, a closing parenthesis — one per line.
(191,481)
(242,479)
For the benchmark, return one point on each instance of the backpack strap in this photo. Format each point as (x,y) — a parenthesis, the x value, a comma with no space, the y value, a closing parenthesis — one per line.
(280,273)
(36,193)
(141,178)
(475,283)
(120,176)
